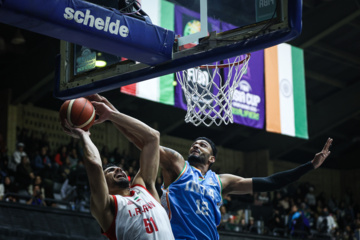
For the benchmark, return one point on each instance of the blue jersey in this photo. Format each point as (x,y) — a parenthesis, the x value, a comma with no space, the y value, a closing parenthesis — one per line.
(193,204)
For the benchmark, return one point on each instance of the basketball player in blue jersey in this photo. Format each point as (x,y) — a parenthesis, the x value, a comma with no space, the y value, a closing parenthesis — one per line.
(192,193)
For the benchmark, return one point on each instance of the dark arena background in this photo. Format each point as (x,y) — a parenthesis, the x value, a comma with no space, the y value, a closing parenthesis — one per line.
(29,120)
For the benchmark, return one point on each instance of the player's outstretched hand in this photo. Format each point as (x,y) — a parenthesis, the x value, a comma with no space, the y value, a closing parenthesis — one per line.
(71,131)
(95,97)
(102,110)
(321,156)
(100,99)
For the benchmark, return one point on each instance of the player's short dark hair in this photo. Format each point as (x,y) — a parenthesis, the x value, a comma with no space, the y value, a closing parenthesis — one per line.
(212,144)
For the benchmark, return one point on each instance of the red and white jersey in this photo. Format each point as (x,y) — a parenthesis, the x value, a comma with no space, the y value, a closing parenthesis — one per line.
(139,216)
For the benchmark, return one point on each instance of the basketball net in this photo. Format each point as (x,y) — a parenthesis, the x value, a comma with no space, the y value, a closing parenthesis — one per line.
(209,100)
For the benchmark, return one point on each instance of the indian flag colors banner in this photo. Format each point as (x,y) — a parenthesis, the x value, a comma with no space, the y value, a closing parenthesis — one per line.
(160,89)
(285,98)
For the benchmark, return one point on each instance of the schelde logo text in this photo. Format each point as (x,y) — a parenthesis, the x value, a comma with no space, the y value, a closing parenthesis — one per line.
(96,22)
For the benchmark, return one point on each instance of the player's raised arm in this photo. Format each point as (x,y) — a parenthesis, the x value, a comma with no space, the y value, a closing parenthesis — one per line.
(171,161)
(238,185)
(140,134)
(101,201)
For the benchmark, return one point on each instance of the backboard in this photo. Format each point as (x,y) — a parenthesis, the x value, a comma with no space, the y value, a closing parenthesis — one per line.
(157,38)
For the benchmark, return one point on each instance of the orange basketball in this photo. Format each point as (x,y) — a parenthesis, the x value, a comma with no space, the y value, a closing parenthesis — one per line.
(79,112)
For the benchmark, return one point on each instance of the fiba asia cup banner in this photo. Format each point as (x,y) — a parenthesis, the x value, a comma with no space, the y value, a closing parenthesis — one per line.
(248,105)
(188,22)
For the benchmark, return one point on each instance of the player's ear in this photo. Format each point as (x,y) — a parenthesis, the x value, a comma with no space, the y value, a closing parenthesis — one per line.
(212,159)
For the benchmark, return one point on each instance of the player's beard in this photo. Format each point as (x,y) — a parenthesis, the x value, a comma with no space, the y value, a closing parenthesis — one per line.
(123,183)
(193,159)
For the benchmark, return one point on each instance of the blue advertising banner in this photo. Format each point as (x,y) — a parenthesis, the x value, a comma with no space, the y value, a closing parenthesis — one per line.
(94,26)
(248,105)
(188,22)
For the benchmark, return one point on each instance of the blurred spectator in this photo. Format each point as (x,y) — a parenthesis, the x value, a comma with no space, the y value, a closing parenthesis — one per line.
(310,198)
(251,225)
(2,191)
(16,158)
(348,233)
(309,214)
(24,175)
(227,202)
(332,204)
(10,187)
(116,156)
(64,171)
(3,156)
(357,229)
(322,198)
(243,225)
(340,214)
(36,198)
(3,173)
(61,156)
(298,222)
(105,160)
(264,198)
(68,192)
(134,164)
(325,222)
(319,208)
(285,204)
(78,177)
(105,152)
(73,157)
(348,197)
(276,201)
(38,182)
(75,143)
(256,201)
(44,141)
(231,224)
(124,163)
(46,172)
(276,221)
(299,195)
(225,215)
(131,172)
(42,162)
(3,147)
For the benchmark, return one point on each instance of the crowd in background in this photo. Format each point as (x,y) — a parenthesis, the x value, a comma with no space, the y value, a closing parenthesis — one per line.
(295,211)
(38,175)
(34,174)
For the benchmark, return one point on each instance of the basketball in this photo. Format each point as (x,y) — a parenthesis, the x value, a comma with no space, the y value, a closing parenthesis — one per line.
(79,112)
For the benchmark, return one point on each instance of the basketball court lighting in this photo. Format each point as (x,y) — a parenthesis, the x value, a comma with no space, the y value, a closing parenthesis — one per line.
(100,63)
(100,60)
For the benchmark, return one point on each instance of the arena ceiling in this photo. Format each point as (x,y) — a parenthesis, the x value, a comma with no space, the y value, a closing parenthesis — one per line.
(331,43)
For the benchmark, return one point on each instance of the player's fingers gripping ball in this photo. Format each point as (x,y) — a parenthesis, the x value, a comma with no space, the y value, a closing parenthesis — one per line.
(80,113)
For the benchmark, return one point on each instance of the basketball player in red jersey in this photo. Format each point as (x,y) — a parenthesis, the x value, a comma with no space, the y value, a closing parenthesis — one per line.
(125,211)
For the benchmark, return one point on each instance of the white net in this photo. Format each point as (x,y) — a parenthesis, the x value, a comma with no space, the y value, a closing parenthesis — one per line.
(208,94)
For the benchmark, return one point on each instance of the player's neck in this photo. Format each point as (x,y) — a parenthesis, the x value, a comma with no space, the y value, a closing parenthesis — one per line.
(120,191)
(201,167)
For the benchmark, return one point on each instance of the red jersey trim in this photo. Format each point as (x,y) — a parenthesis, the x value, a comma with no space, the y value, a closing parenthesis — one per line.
(110,233)
(138,185)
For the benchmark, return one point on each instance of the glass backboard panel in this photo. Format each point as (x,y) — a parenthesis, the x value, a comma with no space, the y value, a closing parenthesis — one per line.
(232,28)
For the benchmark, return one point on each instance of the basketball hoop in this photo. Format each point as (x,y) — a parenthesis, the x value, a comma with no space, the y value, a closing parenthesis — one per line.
(208,97)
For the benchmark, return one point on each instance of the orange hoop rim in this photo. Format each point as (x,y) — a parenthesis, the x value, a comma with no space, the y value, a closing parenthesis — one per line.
(226,64)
